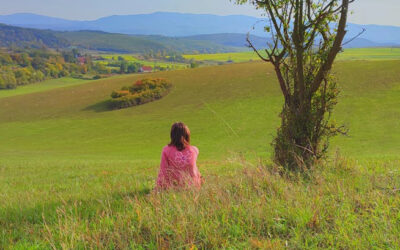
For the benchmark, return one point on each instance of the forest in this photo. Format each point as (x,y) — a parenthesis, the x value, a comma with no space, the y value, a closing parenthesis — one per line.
(21,66)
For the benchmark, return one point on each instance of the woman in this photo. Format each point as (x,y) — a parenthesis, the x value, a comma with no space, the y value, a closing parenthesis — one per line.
(178,161)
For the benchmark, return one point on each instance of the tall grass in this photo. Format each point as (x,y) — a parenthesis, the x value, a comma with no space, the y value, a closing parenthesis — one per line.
(337,205)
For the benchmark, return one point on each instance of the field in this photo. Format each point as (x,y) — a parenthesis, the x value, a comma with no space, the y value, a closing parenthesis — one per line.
(349,54)
(152,63)
(224,57)
(75,175)
(42,86)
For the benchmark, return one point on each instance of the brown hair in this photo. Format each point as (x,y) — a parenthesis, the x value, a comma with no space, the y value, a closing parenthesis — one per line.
(180,136)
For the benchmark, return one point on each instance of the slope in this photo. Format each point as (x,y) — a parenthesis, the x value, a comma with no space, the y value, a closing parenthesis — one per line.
(106,42)
(230,109)
(179,24)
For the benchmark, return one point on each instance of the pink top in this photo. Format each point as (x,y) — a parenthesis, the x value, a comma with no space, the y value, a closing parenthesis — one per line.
(178,168)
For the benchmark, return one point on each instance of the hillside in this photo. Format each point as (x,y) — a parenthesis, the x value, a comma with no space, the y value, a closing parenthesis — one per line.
(160,23)
(230,39)
(10,35)
(122,43)
(178,24)
(197,44)
(239,40)
(102,41)
(226,90)
(76,175)
(106,42)
(110,42)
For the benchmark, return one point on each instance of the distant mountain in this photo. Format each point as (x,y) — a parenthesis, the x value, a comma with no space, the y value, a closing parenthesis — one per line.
(108,42)
(191,44)
(22,37)
(365,43)
(113,42)
(239,40)
(235,40)
(182,25)
(376,33)
(159,23)
(103,41)
(28,20)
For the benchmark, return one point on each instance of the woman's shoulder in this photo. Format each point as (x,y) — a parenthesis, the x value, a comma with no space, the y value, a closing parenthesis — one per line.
(195,149)
(167,148)
(171,148)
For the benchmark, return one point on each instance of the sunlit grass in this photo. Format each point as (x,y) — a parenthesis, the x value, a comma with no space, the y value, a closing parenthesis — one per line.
(371,54)
(42,86)
(348,54)
(152,63)
(76,175)
(72,205)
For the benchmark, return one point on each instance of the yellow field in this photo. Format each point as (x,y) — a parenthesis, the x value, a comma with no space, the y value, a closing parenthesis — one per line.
(348,54)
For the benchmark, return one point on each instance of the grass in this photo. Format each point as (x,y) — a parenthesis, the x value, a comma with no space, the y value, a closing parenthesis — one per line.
(74,175)
(349,54)
(371,54)
(152,63)
(114,57)
(42,86)
(344,205)
(224,57)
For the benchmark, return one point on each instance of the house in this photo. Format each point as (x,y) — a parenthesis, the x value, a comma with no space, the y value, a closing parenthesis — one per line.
(81,60)
(146,69)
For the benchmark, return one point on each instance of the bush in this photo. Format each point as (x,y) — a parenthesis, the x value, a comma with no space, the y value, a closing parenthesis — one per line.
(118,94)
(141,92)
(7,79)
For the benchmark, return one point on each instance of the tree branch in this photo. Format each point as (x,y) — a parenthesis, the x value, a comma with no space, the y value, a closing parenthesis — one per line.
(337,46)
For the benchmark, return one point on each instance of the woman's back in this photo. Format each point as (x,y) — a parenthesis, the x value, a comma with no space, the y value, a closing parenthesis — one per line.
(178,168)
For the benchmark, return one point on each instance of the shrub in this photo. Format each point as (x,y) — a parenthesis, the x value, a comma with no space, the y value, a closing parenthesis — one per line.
(121,93)
(7,79)
(141,92)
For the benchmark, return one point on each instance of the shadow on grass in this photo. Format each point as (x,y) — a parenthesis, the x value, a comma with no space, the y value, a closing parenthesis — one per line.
(103,106)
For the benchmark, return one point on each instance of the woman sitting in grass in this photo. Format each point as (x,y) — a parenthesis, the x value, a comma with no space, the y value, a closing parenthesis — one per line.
(178,161)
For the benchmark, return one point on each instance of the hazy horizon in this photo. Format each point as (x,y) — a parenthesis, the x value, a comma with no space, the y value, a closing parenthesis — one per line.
(383,12)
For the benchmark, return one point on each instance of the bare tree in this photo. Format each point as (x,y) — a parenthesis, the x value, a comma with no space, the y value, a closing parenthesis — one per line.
(306,37)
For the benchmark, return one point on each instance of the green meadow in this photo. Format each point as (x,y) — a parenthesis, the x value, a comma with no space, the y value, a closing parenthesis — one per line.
(152,63)
(42,86)
(224,57)
(75,175)
(348,54)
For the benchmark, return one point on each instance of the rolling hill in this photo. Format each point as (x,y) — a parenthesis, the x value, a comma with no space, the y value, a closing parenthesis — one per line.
(160,23)
(102,41)
(122,43)
(108,42)
(228,90)
(10,35)
(76,175)
(239,40)
(178,24)
(231,39)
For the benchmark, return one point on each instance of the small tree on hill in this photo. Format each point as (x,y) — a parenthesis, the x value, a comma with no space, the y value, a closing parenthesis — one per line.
(306,37)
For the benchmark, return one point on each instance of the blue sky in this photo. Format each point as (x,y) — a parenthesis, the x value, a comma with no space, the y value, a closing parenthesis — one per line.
(365,11)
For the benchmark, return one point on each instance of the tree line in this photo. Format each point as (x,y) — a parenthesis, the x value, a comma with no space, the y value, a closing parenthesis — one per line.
(25,66)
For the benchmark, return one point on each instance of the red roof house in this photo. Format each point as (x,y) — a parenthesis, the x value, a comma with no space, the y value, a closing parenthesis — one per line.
(146,69)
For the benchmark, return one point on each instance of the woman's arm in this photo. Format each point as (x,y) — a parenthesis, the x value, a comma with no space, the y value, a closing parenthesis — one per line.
(162,179)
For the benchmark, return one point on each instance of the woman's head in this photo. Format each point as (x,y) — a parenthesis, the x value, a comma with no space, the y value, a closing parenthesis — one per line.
(180,136)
